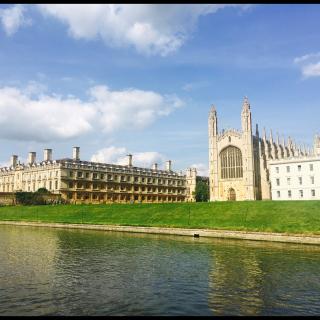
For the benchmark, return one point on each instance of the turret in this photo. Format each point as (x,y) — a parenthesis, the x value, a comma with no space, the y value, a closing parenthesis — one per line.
(246,116)
(191,177)
(213,122)
(213,153)
(248,175)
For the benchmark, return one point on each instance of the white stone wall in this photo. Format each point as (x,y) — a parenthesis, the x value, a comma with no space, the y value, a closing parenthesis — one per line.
(301,181)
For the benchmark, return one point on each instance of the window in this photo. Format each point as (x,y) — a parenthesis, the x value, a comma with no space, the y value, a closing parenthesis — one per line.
(299,167)
(288,168)
(278,194)
(277,169)
(278,182)
(301,193)
(313,193)
(311,167)
(300,180)
(312,180)
(288,181)
(79,174)
(289,194)
(231,163)
(87,175)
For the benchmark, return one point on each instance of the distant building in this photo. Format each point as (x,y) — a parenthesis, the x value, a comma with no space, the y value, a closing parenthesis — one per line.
(81,181)
(240,161)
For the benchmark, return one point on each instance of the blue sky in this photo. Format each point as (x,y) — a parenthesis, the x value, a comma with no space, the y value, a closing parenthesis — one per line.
(142,78)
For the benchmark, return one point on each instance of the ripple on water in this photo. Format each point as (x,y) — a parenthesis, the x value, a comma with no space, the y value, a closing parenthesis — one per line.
(72,272)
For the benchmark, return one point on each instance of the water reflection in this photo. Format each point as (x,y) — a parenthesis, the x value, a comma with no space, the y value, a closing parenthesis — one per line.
(254,278)
(80,272)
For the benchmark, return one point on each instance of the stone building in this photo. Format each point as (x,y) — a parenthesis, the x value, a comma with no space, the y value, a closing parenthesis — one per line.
(239,160)
(81,181)
(296,178)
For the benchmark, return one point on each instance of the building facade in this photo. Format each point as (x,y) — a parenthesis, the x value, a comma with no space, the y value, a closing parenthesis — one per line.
(239,160)
(295,178)
(91,182)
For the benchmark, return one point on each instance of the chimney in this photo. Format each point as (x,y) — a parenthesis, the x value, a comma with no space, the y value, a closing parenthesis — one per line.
(155,166)
(76,153)
(129,160)
(47,155)
(31,157)
(168,165)
(14,160)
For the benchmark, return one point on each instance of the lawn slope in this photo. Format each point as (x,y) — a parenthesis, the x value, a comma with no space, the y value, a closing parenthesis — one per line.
(265,216)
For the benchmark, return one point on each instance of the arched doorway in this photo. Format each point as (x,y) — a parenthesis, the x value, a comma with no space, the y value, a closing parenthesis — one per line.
(232,195)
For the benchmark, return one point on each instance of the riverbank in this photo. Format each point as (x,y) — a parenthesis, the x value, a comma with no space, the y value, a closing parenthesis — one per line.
(287,217)
(227,234)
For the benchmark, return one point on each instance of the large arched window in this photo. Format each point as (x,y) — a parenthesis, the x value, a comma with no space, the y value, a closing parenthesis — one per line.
(231,163)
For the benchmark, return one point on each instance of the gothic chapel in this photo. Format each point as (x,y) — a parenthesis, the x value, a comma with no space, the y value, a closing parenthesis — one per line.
(239,160)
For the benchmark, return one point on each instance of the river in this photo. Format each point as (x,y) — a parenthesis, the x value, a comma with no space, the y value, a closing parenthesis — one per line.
(46,271)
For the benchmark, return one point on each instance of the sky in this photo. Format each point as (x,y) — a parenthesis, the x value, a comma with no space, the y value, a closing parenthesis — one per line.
(140,79)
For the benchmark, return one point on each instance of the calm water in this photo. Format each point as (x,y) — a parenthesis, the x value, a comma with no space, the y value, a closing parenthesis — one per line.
(61,272)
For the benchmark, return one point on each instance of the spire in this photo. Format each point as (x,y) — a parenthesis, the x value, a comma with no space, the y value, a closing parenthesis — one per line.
(264,134)
(278,142)
(304,149)
(213,111)
(213,121)
(289,142)
(316,145)
(246,120)
(257,130)
(246,104)
(271,137)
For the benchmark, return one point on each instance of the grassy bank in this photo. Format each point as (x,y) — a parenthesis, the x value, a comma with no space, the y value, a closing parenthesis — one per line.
(266,216)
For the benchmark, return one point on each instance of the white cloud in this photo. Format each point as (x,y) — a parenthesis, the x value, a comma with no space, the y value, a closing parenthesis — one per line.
(309,64)
(131,108)
(202,169)
(118,155)
(32,114)
(306,57)
(150,28)
(311,70)
(12,18)
(43,118)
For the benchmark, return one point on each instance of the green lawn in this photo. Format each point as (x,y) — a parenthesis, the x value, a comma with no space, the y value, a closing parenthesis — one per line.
(268,216)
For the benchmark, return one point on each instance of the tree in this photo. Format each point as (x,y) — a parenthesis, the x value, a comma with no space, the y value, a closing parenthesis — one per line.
(202,191)
(43,191)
